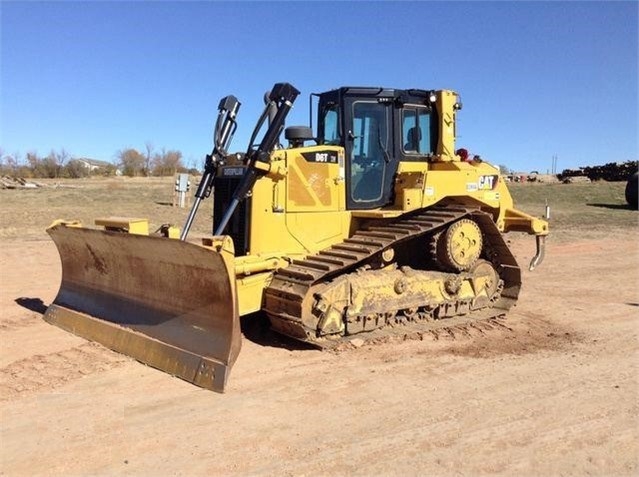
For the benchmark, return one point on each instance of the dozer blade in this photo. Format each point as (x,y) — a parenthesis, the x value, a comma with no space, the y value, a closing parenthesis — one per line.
(167,303)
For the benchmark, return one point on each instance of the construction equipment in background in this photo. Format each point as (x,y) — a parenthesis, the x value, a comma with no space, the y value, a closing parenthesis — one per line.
(632,186)
(371,224)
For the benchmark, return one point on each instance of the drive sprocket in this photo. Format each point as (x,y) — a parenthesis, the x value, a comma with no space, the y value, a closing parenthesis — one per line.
(459,246)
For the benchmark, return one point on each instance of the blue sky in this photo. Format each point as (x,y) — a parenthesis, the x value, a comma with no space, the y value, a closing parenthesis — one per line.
(537,79)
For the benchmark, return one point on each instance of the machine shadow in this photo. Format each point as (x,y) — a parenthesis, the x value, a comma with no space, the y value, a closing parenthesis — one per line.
(32,304)
(257,328)
(611,206)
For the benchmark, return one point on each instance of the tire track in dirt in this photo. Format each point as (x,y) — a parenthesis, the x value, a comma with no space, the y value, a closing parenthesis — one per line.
(518,335)
(416,332)
(529,327)
(53,370)
(20,322)
(10,324)
(529,333)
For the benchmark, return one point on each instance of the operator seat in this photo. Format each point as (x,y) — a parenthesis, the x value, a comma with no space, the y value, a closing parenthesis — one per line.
(414,136)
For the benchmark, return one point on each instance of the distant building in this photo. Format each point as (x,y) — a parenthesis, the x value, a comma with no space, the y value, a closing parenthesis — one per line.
(95,164)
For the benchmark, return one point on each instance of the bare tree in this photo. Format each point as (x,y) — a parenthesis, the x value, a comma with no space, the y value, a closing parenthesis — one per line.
(132,162)
(61,159)
(76,169)
(34,163)
(12,162)
(504,170)
(166,163)
(32,159)
(51,166)
(48,166)
(148,158)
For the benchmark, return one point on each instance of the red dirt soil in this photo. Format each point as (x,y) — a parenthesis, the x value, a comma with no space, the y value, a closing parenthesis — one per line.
(552,392)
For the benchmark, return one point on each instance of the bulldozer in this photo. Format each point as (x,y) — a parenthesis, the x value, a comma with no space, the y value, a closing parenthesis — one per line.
(368,222)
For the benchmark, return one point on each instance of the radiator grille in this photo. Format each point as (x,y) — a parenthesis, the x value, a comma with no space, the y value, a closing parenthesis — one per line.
(238,226)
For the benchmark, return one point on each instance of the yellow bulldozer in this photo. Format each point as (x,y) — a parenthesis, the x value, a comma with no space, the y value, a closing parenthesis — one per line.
(372,223)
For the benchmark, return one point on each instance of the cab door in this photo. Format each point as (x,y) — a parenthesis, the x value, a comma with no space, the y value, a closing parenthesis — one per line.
(370,165)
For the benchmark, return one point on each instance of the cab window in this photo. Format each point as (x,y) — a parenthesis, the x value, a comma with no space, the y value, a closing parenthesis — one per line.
(330,134)
(416,131)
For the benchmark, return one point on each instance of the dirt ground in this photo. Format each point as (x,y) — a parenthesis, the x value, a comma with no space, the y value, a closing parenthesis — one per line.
(553,392)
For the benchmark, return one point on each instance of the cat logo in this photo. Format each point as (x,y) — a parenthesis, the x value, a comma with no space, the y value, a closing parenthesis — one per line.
(488,182)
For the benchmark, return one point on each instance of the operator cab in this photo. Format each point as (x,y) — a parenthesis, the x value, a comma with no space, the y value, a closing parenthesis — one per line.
(378,128)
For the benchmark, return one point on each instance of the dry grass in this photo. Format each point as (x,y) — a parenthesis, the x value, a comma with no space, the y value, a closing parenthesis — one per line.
(590,208)
(26,213)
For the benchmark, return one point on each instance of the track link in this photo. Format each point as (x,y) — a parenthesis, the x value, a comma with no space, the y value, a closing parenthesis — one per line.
(291,293)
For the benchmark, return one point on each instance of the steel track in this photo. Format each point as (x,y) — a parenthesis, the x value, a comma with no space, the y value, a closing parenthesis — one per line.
(290,294)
